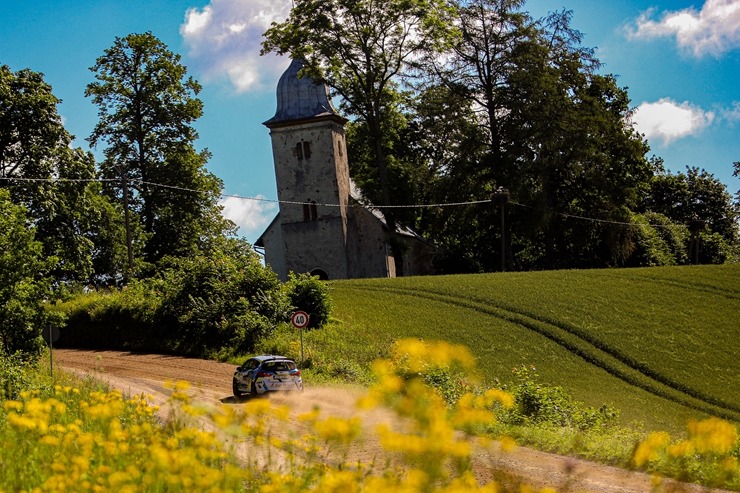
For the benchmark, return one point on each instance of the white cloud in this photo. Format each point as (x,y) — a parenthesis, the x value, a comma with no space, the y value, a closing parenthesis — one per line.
(732,114)
(250,215)
(713,30)
(668,120)
(224,40)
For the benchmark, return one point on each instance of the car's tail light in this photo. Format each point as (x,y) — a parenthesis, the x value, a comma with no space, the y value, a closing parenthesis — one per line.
(263,374)
(296,372)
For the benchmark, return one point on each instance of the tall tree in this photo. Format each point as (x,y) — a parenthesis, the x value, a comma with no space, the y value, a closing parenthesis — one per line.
(44,174)
(364,49)
(556,135)
(147,105)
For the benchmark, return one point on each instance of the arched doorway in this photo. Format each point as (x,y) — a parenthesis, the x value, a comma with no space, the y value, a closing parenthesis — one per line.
(321,274)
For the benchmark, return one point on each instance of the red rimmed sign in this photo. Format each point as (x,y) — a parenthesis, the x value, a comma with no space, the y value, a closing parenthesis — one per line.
(299,319)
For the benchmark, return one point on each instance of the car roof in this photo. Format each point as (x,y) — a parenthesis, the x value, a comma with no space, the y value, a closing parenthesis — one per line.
(267,357)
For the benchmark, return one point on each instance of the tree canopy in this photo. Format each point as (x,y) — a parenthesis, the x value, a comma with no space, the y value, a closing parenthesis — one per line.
(147,105)
(46,175)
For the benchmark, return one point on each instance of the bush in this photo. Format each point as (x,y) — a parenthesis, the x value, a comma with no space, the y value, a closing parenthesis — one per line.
(217,304)
(311,295)
(653,243)
(14,376)
(23,282)
(224,301)
(540,404)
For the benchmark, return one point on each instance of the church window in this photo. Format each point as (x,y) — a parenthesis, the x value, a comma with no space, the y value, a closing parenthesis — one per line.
(310,211)
(302,150)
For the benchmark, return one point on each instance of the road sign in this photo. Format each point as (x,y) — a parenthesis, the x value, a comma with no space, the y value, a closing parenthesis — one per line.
(299,319)
(51,334)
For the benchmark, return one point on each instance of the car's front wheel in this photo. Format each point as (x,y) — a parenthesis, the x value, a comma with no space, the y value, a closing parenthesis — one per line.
(235,388)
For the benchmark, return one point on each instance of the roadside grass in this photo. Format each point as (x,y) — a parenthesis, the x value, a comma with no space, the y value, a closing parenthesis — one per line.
(66,434)
(659,344)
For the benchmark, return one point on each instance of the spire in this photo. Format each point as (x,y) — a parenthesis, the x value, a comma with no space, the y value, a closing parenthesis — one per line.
(300,98)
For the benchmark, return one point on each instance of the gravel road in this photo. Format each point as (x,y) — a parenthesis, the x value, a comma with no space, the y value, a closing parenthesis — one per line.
(147,374)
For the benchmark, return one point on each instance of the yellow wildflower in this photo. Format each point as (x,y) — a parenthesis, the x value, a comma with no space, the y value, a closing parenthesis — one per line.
(649,448)
(713,435)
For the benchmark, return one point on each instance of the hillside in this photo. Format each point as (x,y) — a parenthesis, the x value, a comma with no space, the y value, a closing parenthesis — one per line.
(660,344)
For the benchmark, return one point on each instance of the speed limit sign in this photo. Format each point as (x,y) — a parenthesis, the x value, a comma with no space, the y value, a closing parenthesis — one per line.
(299,319)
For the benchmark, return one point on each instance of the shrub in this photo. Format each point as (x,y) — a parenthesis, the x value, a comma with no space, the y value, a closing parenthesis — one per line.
(224,301)
(219,303)
(650,248)
(443,367)
(540,404)
(14,376)
(311,295)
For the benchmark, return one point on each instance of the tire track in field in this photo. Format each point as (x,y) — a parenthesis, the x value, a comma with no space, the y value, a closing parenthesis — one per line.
(580,343)
(701,287)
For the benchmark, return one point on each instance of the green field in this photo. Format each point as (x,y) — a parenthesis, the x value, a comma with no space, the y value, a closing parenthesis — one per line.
(660,344)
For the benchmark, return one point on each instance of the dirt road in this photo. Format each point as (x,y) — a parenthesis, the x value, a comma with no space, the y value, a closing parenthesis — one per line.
(147,374)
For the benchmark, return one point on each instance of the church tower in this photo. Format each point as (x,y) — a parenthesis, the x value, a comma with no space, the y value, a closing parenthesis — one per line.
(324,227)
(312,174)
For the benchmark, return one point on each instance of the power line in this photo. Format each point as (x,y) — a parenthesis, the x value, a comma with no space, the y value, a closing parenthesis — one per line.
(13,178)
(289,202)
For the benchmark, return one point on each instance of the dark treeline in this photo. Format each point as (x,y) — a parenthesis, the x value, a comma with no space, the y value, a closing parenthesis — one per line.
(454,102)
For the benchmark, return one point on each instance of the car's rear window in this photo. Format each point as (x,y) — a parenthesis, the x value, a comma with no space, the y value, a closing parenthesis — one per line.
(279,366)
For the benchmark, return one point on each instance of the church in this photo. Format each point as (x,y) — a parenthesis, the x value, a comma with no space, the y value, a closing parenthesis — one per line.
(324,225)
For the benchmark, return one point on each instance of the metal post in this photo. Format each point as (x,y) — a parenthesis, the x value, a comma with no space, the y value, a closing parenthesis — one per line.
(302,358)
(51,352)
(501,197)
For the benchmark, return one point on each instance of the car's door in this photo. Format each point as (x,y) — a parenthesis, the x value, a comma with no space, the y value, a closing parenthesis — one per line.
(248,371)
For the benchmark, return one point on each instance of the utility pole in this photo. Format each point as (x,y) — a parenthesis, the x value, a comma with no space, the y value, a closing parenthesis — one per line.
(696,226)
(500,197)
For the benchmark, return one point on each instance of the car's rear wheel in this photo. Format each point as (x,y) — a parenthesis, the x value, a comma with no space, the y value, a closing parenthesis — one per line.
(253,388)
(235,388)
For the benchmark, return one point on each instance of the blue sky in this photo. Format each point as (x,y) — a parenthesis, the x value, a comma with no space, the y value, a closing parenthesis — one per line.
(680,61)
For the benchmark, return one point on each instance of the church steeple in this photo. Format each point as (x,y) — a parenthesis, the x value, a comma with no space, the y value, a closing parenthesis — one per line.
(300,98)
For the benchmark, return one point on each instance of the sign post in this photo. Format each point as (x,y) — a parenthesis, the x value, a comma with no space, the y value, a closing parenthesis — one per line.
(299,319)
(51,335)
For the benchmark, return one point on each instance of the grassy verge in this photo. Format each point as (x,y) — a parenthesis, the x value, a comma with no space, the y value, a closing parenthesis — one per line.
(71,435)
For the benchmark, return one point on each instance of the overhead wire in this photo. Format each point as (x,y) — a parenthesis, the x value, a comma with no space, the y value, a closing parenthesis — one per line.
(291,202)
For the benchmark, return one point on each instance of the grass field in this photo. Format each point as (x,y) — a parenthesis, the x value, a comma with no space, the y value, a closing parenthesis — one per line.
(660,344)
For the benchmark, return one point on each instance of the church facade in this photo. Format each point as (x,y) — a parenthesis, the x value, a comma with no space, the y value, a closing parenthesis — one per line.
(324,226)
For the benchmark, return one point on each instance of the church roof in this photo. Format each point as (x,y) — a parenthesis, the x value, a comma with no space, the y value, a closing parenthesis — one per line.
(300,98)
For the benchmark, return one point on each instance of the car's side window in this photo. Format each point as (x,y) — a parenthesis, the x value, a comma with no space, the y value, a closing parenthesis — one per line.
(254,364)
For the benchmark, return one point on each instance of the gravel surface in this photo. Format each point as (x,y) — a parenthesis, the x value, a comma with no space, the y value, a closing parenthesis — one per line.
(136,374)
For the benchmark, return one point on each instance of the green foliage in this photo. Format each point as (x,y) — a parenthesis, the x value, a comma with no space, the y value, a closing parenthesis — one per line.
(23,285)
(545,405)
(653,240)
(224,300)
(35,149)
(311,295)
(146,123)
(15,375)
(218,304)
(696,194)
